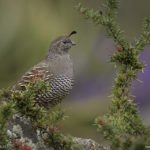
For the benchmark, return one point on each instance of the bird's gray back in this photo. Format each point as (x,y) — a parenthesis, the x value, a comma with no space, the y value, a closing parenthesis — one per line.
(58,71)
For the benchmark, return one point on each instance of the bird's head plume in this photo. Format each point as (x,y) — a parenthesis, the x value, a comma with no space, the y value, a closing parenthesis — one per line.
(62,43)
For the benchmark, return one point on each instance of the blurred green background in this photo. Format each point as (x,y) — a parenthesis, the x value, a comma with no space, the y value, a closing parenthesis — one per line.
(28,26)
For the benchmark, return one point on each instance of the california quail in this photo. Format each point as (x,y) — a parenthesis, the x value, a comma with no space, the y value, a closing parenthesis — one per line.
(57,68)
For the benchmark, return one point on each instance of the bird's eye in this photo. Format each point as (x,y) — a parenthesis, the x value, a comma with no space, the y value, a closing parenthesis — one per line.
(65,42)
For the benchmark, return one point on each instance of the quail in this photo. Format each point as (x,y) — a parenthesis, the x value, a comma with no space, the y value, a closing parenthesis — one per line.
(57,68)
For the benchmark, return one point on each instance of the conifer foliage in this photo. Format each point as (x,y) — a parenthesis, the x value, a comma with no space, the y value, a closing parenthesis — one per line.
(41,119)
(122,125)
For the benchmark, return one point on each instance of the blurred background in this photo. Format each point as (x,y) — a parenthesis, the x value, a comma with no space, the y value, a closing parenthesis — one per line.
(28,26)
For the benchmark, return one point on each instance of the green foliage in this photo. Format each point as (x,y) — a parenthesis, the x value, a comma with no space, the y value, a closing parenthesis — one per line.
(144,38)
(6,112)
(46,121)
(122,125)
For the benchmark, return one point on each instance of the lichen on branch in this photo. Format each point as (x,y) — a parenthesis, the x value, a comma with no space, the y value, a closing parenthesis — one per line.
(45,121)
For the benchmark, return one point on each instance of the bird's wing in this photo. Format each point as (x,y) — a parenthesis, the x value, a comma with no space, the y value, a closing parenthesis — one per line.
(33,74)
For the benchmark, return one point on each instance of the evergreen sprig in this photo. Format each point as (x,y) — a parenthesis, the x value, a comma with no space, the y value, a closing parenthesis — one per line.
(6,112)
(145,35)
(122,125)
(44,120)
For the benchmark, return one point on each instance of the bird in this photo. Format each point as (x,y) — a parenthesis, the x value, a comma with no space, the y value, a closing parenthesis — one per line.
(56,68)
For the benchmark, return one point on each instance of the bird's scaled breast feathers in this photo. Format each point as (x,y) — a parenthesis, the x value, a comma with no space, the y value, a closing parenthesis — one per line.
(60,88)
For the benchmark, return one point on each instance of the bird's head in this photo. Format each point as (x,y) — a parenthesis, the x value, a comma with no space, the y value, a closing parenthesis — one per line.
(62,44)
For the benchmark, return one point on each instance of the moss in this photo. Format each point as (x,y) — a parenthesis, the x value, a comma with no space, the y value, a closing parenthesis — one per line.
(44,120)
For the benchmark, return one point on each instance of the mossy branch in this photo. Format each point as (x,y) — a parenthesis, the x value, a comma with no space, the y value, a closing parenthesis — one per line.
(107,19)
(6,111)
(46,122)
(122,125)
